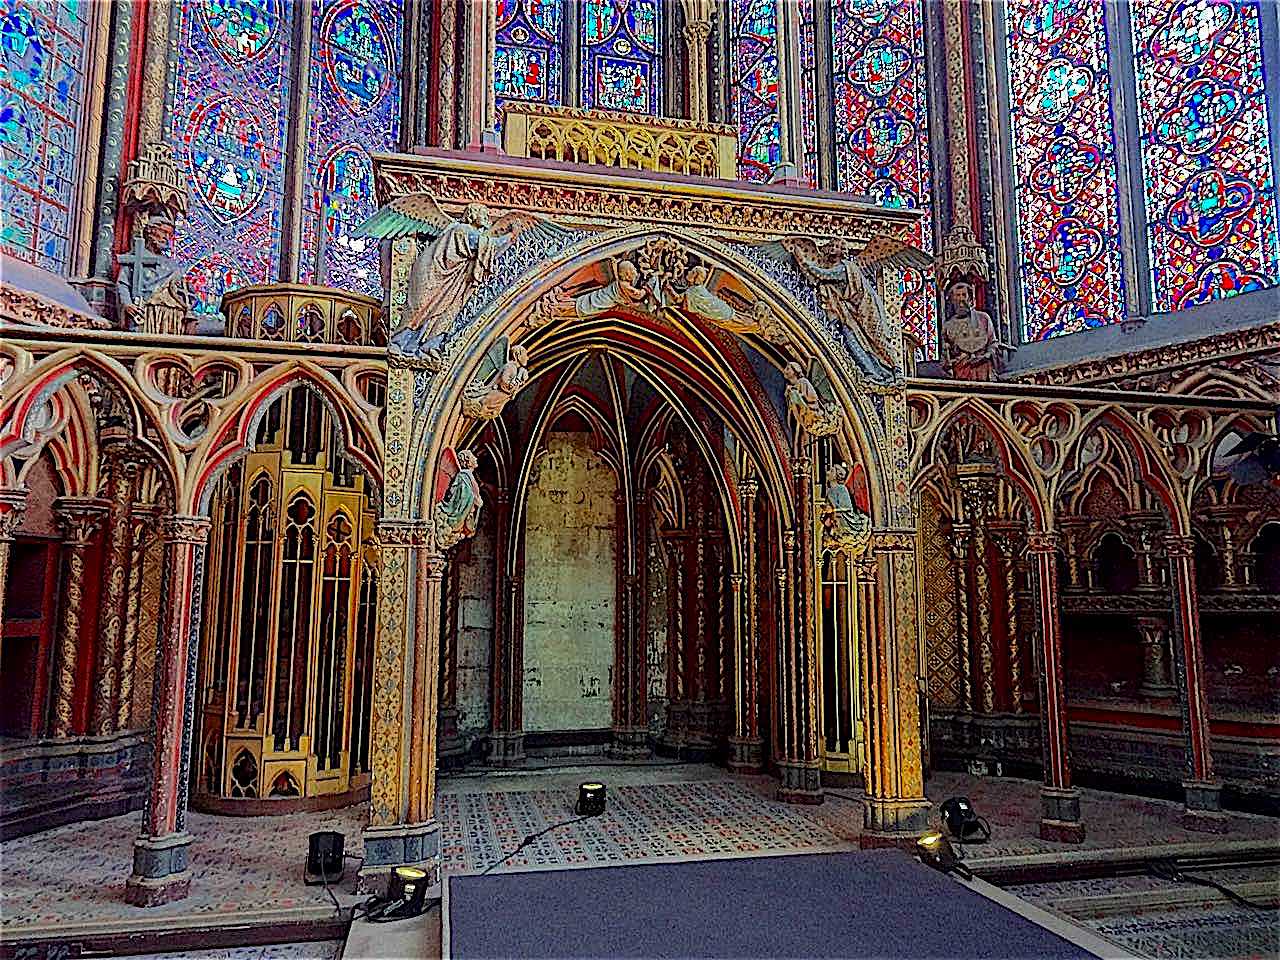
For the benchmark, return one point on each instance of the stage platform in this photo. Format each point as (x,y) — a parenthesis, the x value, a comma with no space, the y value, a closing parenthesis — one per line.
(878,903)
(66,885)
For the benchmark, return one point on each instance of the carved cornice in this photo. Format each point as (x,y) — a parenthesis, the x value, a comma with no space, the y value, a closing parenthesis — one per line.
(619,117)
(25,308)
(179,528)
(893,541)
(592,197)
(1146,363)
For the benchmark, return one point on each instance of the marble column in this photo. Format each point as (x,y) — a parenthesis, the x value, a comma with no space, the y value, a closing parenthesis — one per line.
(1007,538)
(113,608)
(142,520)
(80,519)
(430,574)
(1156,684)
(1203,789)
(959,543)
(506,737)
(977,486)
(13,504)
(161,854)
(895,811)
(799,767)
(746,747)
(1059,801)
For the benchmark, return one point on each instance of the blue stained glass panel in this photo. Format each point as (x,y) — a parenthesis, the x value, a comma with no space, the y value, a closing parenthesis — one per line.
(41,90)
(528,56)
(754,25)
(228,124)
(353,112)
(621,55)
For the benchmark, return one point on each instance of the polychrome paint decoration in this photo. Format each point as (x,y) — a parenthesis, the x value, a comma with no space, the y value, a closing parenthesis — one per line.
(1064,166)
(754,27)
(1207,176)
(353,110)
(527,63)
(621,63)
(41,90)
(228,124)
(881,125)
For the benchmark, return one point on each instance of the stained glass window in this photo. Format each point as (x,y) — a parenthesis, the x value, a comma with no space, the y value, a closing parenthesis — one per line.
(1064,167)
(808,94)
(228,124)
(353,110)
(1206,166)
(881,126)
(621,55)
(41,88)
(527,57)
(754,25)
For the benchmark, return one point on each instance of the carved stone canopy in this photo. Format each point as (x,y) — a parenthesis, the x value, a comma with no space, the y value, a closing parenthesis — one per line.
(155,183)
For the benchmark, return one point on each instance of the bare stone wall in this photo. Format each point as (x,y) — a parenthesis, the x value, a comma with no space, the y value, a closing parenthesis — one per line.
(571,540)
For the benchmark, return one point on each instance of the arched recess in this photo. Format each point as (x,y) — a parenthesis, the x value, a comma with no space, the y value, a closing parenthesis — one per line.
(439,423)
(232,437)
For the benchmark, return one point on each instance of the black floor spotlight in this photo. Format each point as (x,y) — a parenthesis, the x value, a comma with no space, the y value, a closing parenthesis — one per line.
(406,896)
(963,822)
(591,800)
(324,857)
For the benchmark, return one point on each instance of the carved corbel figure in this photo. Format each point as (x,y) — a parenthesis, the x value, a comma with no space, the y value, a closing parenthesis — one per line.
(503,372)
(846,528)
(625,291)
(457,501)
(811,400)
(152,295)
(455,257)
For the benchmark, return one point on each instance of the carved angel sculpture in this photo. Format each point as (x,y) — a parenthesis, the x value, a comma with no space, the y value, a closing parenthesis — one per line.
(846,527)
(845,287)
(811,399)
(460,257)
(457,498)
(502,373)
(626,290)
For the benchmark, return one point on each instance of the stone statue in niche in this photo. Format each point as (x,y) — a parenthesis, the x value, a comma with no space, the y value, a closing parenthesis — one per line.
(971,347)
(845,526)
(502,373)
(460,257)
(457,501)
(811,399)
(151,289)
(845,288)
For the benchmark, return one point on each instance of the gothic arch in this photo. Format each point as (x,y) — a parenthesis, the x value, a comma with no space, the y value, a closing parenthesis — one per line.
(440,424)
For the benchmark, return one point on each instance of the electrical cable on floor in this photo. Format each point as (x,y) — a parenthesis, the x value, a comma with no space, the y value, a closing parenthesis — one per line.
(1167,870)
(529,839)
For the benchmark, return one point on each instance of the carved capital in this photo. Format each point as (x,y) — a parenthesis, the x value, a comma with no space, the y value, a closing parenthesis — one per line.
(893,541)
(749,487)
(79,518)
(185,528)
(697,32)
(435,565)
(404,533)
(1179,545)
(1042,541)
(13,505)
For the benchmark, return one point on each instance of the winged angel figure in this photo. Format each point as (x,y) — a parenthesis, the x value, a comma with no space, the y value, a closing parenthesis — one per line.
(502,372)
(847,527)
(457,498)
(459,258)
(846,289)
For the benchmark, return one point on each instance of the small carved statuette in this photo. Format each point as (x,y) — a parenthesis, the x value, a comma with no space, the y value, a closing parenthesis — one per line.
(503,372)
(846,527)
(811,400)
(458,501)
(151,288)
(972,349)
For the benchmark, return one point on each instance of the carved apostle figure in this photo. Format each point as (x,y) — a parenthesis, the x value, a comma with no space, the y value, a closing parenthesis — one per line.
(700,301)
(626,290)
(151,289)
(457,513)
(847,527)
(971,344)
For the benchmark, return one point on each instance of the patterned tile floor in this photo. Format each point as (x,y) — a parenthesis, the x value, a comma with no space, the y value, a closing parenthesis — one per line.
(655,812)
(319,950)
